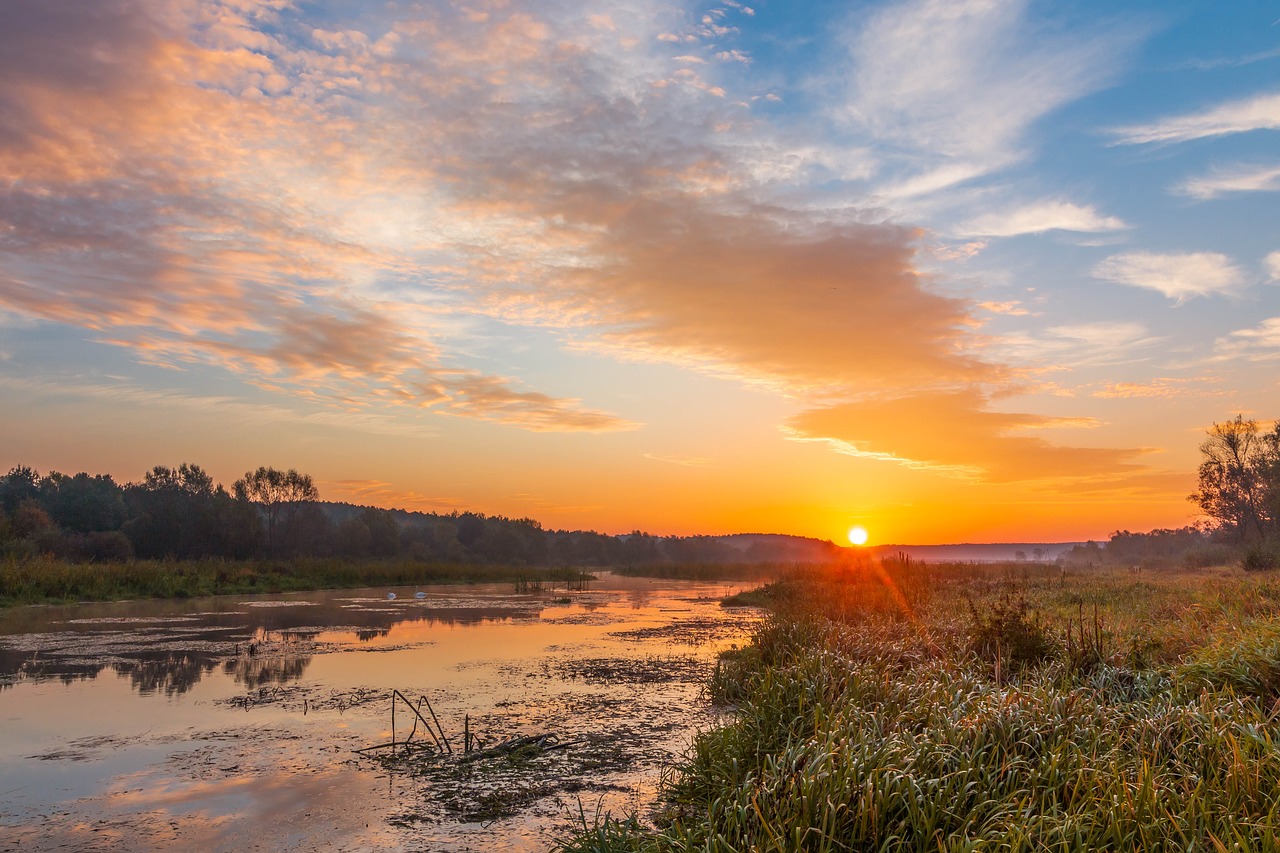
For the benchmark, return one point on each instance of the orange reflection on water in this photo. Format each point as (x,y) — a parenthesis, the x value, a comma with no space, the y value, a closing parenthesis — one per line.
(258,750)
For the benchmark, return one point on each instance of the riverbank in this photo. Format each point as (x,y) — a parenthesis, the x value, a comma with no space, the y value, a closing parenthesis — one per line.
(919,707)
(53,581)
(48,580)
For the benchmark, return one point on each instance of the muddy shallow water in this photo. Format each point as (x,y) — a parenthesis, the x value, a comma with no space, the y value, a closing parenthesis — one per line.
(233,722)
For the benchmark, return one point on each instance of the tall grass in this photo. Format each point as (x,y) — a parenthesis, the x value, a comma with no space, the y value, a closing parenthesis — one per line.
(41,580)
(714,571)
(887,710)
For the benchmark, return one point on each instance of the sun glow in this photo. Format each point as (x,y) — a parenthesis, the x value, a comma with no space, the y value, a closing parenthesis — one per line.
(858,535)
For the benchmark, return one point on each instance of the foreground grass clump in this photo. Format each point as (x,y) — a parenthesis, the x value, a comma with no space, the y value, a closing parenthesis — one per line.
(49,580)
(906,708)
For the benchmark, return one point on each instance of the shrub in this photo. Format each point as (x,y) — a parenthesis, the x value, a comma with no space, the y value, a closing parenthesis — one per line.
(1008,633)
(1208,555)
(1261,558)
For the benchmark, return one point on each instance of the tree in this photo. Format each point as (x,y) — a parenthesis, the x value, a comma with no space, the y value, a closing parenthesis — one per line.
(281,495)
(173,513)
(470,528)
(20,484)
(638,547)
(186,478)
(1237,478)
(30,518)
(351,538)
(83,503)
(306,530)
(384,531)
(238,524)
(1269,469)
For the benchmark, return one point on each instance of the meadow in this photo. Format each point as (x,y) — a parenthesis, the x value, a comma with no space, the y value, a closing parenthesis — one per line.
(904,706)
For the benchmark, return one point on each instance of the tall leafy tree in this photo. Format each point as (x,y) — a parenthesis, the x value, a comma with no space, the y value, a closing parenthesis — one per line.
(20,484)
(1270,470)
(282,497)
(83,503)
(174,514)
(1237,481)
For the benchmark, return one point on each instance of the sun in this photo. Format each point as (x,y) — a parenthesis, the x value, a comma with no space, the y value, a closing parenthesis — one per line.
(858,535)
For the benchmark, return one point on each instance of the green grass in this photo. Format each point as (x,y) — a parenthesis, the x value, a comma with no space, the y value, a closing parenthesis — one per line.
(955,708)
(37,581)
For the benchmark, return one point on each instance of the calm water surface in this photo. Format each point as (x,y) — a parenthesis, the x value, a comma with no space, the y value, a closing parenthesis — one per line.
(231,723)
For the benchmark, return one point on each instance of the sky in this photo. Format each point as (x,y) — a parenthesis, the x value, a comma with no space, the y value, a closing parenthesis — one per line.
(951,270)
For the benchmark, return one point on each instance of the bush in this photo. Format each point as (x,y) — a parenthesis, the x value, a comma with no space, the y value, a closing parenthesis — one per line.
(1261,558)
(105,546)
(1209,555)
(1009,633)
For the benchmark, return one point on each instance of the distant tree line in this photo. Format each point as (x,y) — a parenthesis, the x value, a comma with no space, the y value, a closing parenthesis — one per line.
(181,513)
(1193,546)
(1238,491)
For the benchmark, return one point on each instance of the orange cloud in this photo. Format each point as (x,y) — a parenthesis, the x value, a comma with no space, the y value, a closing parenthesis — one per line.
(809,308)
(954,434)
(1161,388)
(1013,308)
(381,493)
(488,398)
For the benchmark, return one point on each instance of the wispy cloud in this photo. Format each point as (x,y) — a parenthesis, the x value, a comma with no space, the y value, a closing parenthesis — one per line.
(381,493)
(1102,343)
(1272,263)
(1235,179)
(1041,217)
(1261,343)
(1013,308)
(1161,388)
(1260,112)
(491,399)
(231,410)
(1179,276)
(1230,61)
(958,84)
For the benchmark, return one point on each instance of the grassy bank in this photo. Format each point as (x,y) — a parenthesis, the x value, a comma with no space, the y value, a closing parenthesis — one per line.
(911,707)
(37,581)
(754,572)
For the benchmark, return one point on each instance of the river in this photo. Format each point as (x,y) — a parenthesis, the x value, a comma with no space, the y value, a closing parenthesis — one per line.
(233,723)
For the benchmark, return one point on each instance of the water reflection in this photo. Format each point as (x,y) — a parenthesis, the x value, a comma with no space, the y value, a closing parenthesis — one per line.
(272,658)
(233,723)
(167,647)
(171,675)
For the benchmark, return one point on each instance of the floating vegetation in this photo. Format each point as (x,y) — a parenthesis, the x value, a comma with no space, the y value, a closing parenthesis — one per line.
(484,780)
(656,669)
(684,632)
